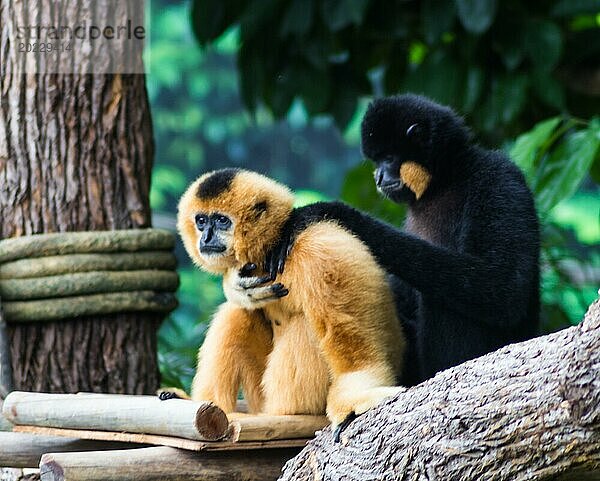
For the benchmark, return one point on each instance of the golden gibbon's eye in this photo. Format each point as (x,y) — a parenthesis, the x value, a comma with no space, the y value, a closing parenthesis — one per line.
(201,221)
(223,222)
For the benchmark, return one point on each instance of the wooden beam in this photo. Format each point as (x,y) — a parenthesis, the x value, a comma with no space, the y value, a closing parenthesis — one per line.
(156,439)
(114,412)
(247,427)
(160,463)
(22,450)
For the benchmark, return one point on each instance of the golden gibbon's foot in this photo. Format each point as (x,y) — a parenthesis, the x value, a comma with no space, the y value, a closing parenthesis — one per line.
(343,408)
(171,393)
(339,429)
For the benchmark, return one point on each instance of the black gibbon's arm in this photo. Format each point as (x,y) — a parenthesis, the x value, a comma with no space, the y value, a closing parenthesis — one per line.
(461,282)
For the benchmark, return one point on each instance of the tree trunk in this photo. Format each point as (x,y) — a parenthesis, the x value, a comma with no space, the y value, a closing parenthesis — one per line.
(528,411)
(75,155)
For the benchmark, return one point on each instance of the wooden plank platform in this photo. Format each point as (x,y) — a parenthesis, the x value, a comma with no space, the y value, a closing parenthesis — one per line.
(161,463)
(24,450)
(153,439)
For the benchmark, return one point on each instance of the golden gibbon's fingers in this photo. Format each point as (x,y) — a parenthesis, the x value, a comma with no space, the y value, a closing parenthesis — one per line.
(172,393)
(251,282)
(253,298)
(272,292)
(251,292)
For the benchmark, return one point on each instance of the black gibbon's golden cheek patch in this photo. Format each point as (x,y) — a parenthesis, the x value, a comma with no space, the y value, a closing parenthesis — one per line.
(216,184)
(416,177)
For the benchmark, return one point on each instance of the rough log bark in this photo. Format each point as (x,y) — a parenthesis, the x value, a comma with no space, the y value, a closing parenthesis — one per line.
(110,412)
(528,411)
(75,155)
(160,463)
(22,450)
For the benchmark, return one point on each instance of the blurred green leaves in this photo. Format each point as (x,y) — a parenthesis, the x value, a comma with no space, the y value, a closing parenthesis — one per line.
(556,156)
(476,15)
(497,62)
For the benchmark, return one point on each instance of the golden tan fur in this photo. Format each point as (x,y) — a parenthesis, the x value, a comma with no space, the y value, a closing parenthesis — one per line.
(333,344)
(415,177)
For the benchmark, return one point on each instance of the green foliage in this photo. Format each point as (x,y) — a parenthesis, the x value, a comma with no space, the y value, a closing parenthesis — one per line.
(555,157)
(494,61)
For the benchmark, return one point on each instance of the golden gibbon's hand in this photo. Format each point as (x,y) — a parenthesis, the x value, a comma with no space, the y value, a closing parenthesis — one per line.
(251,292)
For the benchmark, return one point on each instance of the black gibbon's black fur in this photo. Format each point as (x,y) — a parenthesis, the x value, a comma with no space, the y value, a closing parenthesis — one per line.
(465,268)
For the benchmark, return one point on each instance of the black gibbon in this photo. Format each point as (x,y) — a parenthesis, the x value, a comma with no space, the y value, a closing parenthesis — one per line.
(332,343)
(465,268)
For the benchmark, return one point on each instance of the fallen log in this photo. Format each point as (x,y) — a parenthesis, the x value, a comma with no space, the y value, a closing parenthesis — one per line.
(21,450)
(529,411)
(113,412)
(160,463)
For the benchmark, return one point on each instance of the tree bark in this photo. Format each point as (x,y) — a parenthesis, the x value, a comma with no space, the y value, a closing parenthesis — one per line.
(75,155)
(528,411)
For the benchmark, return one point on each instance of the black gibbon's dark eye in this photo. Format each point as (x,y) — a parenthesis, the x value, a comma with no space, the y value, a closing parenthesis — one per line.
(201,221)
(223,222)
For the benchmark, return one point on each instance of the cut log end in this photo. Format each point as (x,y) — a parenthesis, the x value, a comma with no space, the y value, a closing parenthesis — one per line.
(211,422)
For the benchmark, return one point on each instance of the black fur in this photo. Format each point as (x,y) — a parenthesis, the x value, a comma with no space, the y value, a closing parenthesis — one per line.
(216,184)
(465,268)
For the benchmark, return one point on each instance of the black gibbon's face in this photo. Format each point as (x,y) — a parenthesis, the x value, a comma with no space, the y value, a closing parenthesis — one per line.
(401,176)
(388,180)
(396,137)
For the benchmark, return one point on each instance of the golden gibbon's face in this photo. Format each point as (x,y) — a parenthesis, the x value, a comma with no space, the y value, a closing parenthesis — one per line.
(207,233)
(230,217)
(215,233)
